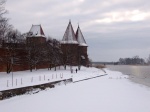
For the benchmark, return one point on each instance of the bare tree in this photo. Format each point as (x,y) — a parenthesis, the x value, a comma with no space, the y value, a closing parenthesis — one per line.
(57,53)
(33,56)
(54,53)
(49,53)
(8,39)
(10,49)
(2,8)
(5,27)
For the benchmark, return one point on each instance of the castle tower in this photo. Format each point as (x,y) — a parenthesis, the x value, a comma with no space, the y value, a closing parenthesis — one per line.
(69,45)
(36,35)
(82,48)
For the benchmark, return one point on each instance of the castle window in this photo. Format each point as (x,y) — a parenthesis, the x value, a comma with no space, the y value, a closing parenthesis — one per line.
(82,57)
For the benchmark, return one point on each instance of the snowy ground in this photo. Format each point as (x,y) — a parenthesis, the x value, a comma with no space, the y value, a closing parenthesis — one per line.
(27,78)
(111,93)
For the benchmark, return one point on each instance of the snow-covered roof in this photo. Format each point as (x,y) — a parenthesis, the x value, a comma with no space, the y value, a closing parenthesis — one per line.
(80,38)
(36,31)
(69,36)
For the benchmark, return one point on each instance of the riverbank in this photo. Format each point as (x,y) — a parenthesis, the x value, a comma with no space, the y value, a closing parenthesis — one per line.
(137,74)
(144,81)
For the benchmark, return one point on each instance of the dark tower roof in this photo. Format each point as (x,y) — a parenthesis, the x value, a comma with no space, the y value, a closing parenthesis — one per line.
(69,36)
(80,37)
(36,31)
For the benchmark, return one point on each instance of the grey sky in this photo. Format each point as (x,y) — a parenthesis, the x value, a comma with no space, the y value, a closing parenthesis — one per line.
(112,28)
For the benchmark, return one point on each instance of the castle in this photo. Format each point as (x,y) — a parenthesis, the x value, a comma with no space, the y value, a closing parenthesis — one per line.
(73,47)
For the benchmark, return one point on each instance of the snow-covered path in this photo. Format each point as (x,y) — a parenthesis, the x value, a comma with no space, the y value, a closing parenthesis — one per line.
(110,93)
(41,76)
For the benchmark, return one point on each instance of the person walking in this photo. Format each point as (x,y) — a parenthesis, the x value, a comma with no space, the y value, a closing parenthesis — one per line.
(76,70)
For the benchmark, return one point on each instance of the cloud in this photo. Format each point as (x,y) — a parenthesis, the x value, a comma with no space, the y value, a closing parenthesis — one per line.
(116,28)
(135,15)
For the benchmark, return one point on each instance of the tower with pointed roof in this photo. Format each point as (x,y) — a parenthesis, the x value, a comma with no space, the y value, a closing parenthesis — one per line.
(36,35)
(82,48)
(74,47)
(69,45)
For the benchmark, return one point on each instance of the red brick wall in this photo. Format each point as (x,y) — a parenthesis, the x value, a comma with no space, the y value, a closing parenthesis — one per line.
(23,65)
(83,52)
(2,65)
(36,40)
(74,50)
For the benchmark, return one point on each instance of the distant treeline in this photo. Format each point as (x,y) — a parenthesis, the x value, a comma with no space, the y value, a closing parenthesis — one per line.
(103,63)
(136,60)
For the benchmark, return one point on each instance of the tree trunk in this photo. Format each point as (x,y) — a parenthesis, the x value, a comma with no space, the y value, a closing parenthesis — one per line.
(65,66)
(8,70)
(55,67)
(30,68)
(50,66)
(79,67)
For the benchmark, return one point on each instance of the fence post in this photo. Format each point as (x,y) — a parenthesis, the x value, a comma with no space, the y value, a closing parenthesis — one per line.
(32,79)
(39,78)
(16,82)
(7,83)
(44,77)
(56,76)
(61,75)
(21,81)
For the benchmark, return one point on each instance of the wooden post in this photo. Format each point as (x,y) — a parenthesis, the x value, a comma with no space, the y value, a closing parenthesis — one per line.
(16,82)
(32,79)
(21,81)
(7,83)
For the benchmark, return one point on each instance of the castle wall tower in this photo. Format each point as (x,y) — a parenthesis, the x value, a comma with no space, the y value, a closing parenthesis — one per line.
(69,45)
(36,43)
(82,48)
(36,35)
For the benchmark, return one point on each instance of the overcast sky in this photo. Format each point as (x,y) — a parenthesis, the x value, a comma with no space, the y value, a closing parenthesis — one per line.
(111,28)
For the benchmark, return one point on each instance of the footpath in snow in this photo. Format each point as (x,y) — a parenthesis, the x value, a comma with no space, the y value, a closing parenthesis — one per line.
(111,93)
(41,76)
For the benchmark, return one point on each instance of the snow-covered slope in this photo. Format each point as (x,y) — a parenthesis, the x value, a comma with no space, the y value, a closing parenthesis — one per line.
(110,93)
(41,76)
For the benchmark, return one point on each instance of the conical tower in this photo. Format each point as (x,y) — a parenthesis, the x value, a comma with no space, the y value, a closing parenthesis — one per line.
(69,36)
(69,45)
(82,48)
(80,37)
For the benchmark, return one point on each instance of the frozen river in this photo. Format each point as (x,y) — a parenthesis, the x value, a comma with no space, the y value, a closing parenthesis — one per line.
(138,74)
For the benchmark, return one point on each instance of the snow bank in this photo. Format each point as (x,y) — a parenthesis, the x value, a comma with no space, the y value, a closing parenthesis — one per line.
(41,76)
(110,93)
